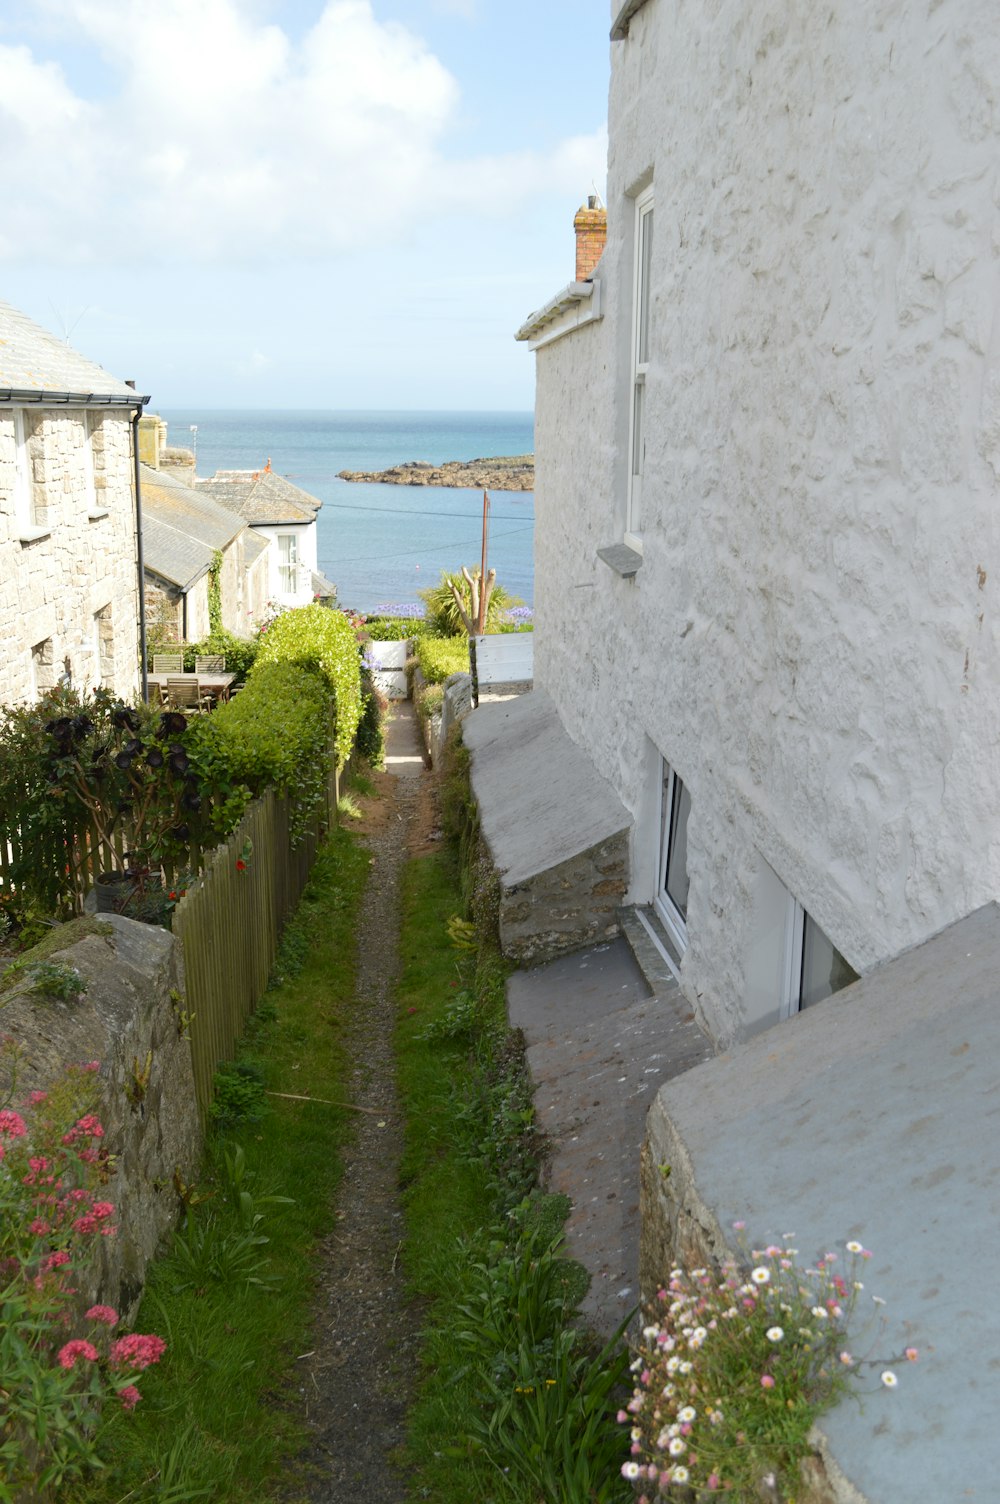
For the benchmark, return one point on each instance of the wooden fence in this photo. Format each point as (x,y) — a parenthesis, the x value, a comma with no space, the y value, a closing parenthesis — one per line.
(230,922)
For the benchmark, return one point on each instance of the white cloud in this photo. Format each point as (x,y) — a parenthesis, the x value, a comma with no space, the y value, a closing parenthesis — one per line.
(225,140)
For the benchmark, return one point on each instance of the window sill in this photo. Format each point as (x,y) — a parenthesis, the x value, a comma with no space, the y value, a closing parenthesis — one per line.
(621,559)
(34,534)
(97,514)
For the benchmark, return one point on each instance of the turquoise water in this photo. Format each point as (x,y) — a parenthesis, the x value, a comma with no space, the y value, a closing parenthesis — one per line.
(381,544)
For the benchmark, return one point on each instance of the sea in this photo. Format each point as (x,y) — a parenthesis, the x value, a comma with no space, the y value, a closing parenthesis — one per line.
(381,544)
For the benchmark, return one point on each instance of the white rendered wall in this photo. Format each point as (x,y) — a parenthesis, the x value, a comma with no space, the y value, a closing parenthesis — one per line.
(812,637)
(85,559)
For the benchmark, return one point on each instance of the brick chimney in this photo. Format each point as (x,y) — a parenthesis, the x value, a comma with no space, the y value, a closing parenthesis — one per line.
(591,226)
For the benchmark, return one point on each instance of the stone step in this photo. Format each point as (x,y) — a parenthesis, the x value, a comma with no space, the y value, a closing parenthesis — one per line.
(599,1045)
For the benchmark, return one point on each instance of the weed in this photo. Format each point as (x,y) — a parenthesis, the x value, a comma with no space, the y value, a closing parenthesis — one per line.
(238,1094)
(456,1021)
(56,979)
(347,808)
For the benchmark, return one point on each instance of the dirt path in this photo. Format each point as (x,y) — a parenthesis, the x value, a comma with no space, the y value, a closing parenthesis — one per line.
(357,1383)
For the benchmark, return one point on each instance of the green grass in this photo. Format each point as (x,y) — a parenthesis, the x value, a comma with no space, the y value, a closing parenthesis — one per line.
(214,1422)
(513,1403)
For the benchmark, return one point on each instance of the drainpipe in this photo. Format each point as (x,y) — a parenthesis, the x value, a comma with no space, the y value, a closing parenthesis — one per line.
(137,414)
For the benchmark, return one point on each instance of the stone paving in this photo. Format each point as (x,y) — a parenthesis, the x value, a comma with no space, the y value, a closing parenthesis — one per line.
(600,1043)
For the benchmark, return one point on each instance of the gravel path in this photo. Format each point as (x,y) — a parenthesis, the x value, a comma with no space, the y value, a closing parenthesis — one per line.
(356,1384)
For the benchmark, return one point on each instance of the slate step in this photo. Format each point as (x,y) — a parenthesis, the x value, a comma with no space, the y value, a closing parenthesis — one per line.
(600,1043)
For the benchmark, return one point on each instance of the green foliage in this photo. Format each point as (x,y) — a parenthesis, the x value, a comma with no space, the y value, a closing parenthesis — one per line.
(238,1094)
(56,979)
(515,1402)
(240,652)
(427,700)
(215,592)
(442,611)
(371,728)
(276,734)
(395,628)
(215,1421)
(438,657)
(314,637)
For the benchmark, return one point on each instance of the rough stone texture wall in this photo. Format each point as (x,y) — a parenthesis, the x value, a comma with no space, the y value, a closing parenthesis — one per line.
(566,907)
(164,605)
(811,640)
(128,1020)
(53,586)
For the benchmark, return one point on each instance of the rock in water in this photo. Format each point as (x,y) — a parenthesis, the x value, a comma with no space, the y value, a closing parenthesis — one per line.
(507,473)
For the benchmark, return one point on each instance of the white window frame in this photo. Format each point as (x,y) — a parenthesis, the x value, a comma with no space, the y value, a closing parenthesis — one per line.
(674,921)
(639,365)
(790,1002)
(288,568)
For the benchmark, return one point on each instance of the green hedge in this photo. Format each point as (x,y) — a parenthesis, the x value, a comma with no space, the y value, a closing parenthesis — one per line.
(440,656)
(275,734)
(395,628)
(314,637)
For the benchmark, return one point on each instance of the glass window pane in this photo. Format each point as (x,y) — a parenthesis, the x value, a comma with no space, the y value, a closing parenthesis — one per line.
(638,432)
(824,970)
(677,869)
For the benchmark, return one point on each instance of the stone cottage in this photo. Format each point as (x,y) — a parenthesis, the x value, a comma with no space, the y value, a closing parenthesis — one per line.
(285,515)
(184,529)
(69,577)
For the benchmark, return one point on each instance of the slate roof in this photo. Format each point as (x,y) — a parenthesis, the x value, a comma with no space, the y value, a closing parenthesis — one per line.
(323,587)
(33,360)
(181,529)
(261,497)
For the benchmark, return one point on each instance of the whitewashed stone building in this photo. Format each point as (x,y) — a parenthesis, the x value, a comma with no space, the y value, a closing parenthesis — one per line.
(767,501)
(68,564)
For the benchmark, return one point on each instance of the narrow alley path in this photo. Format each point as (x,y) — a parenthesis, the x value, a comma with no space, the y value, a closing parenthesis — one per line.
(356,1384)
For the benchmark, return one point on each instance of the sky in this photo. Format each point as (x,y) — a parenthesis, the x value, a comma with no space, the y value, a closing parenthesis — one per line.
(299,203)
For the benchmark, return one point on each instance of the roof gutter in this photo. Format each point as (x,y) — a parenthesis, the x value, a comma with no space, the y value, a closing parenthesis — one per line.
(22,396)
(619,30)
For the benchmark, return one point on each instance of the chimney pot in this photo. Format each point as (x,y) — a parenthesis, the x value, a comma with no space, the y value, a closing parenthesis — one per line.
(131,384)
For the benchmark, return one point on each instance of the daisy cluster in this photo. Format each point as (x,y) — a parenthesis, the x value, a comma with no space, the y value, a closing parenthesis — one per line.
(733,1369)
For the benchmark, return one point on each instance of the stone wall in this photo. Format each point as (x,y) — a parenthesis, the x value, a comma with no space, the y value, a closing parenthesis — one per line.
(68,588)
(129,1020)
(567,906)
(812,638)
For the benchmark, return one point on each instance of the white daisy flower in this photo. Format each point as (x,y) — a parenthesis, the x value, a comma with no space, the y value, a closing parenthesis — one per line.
(679,1475)
(630,1470)
(678,1445)
(889,1379)
(853,1247)
(760,1275)
(687,1415)
(775,1333)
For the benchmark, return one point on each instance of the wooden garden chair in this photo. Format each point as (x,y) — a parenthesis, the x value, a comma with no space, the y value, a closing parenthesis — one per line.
(210,663)
(186,694)
(168,663)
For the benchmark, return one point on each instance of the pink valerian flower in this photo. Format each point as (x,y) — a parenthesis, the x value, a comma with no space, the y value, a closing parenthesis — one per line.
(137,1351)
(129,1396)
(12,1124)
(38,1097)
(106,1315)
(78,1348)
(57,1260)
(102,1209)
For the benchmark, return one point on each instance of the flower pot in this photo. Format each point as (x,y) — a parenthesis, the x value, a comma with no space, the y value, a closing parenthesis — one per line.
(112,890)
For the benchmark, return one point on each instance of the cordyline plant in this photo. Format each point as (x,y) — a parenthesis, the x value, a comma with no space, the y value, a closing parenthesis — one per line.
(57,1387)
(734,1369)
(128,772)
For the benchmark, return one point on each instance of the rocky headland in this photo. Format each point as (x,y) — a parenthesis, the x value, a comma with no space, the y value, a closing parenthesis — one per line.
(507,473)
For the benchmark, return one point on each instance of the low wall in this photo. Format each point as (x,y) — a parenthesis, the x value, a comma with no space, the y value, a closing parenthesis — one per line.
(129,1019)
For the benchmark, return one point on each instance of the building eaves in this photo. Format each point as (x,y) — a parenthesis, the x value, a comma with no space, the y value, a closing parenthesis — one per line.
(619,27)
(571,296)
(37,367)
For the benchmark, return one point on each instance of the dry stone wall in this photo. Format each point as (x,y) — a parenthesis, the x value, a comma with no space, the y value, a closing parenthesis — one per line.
(129,1019)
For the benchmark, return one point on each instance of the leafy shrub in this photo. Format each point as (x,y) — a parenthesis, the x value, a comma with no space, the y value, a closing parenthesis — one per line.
(395,628)
(314,637)
(442,611)
(438,657)
(240,652)
(370,740)
(275,734)
(56,979)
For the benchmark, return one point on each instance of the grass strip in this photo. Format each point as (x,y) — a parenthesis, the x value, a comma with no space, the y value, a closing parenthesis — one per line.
(232,1296)
(514,1402)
